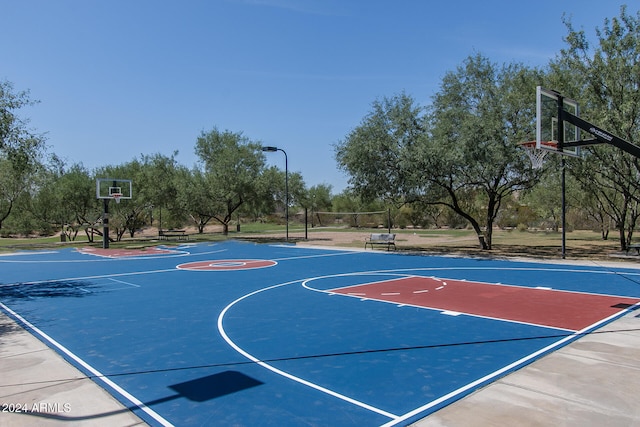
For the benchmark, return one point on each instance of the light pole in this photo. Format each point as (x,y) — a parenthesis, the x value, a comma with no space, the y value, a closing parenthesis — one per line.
(286,185)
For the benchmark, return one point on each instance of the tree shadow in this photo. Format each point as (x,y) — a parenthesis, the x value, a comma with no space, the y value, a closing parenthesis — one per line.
(8,326)
(52,289)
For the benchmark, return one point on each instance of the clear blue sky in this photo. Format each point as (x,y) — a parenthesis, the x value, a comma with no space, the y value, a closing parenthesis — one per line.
(120,78)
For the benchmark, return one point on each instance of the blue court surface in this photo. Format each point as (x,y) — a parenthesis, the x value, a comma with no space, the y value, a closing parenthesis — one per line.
(247,334)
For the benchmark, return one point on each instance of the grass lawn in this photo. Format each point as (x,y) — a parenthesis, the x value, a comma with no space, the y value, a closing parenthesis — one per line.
(580,244)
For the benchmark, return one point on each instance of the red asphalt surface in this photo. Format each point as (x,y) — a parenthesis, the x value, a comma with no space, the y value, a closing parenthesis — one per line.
(123,253)
(538,306)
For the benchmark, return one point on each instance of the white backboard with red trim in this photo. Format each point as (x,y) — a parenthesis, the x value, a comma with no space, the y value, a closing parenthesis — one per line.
(111,188)
(547,121)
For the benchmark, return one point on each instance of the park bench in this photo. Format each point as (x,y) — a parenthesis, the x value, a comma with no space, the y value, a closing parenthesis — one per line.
(381,239)
(173,234)
(635,246)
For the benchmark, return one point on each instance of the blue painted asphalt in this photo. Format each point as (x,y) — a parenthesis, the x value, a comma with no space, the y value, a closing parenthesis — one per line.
(256,347)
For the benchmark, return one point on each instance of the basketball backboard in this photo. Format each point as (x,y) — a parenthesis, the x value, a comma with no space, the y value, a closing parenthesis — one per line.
(110,188)
(547,122)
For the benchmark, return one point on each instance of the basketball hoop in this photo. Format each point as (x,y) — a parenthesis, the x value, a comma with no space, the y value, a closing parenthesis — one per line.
(116,197)
(537,155)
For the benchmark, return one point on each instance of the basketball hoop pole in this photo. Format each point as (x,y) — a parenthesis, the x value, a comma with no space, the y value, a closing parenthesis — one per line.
(105,225)
(107,189)
(563,173)
(105,222)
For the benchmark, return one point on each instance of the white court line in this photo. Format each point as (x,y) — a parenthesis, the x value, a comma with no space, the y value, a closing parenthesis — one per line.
(91,369)
(315,256)
(124,283)
(320,248)
(399,272)
(305,284)
(503,370)
(102,276)
(281,372)
(28,253)
(395,419)
(98,258)
(439,310)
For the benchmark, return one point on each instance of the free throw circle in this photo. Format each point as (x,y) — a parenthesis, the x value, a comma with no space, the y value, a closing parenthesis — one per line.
(227,264)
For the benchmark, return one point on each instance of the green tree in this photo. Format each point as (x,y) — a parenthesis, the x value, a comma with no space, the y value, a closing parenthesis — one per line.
(14,133)
(352,209)
(18,182)
(12,185)
(272,191)
(232,167)
(45,205)
(376,152)
(604,78)
(196,194)
(318,199)
(157,188)
(462,155)
(20,149)
(79,209)
(470,161)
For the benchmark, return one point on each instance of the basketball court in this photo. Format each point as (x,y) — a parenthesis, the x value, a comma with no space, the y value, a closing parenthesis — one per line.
(243,334)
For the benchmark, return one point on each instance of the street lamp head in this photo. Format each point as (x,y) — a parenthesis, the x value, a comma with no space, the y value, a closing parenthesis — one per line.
(269,148)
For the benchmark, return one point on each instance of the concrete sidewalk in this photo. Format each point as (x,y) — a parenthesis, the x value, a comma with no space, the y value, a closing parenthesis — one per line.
(594,381)
(39,388)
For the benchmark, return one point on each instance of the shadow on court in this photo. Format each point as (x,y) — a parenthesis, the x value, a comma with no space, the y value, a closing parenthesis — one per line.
(67,288)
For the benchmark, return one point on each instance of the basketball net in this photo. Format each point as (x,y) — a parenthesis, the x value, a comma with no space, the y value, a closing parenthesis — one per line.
(535,154)
(116,197)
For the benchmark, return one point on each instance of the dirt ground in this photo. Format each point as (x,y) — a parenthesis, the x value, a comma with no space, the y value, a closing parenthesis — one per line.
(582,245)
(529,245)
(521,246)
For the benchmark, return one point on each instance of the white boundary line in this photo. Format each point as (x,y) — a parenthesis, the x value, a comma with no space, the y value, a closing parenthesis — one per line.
(101,258)
(395,418)
(283,373)
(123,282)
(555,270)
(363,297)
(517,364)
(90,369)
(96,259)
(27,253)
(315,256)
(101,276)
(504,370)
